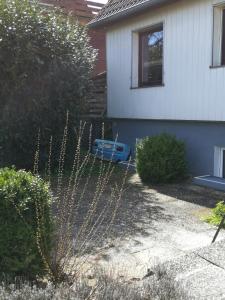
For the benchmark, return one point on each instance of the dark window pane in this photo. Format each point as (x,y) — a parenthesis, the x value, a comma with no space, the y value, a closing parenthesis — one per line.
(223,40)
(151,57)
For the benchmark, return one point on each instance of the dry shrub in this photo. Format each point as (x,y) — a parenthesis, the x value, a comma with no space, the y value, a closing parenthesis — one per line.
(159,287)
(82,218)
(110,290)
(163,285)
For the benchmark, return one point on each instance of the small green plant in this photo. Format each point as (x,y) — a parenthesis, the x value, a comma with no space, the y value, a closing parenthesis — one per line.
(217,214)
(161,159)
(25,224)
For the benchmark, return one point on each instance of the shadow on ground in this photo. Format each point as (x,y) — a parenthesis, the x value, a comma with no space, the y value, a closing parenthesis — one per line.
(137,212)
(188,192)
(140,210)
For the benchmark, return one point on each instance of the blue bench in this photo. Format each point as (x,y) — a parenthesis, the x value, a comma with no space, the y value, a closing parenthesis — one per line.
(111,150)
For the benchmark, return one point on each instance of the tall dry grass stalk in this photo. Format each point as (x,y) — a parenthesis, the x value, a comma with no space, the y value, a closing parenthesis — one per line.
(85,205)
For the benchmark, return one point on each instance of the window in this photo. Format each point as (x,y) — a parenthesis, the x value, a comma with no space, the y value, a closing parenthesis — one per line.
(223,38)
(219,36)
(151,57)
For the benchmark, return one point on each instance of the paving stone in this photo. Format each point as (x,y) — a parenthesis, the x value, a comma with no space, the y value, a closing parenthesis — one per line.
(196,272)
(214,253)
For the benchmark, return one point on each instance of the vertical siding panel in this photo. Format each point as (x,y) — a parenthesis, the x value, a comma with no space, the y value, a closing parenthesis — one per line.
(192,90)
(198,33)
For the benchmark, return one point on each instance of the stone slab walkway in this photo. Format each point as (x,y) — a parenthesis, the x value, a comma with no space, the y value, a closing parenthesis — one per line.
(170,227)
(201,274)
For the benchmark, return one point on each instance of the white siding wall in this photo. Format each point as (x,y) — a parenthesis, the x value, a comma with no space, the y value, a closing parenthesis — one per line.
(192,90)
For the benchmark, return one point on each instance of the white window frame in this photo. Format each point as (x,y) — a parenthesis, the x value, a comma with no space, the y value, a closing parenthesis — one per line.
(218,161)
(135,54)
(217,34)
(135,60)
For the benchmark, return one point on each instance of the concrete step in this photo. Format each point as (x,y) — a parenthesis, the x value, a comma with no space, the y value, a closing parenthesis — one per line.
(210,181)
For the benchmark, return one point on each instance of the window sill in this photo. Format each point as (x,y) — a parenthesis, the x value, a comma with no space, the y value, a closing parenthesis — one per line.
(217,67)
(147,86)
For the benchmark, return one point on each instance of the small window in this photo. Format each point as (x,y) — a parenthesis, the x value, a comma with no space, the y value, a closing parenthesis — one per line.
(219,36)
(223,38)
(151,57)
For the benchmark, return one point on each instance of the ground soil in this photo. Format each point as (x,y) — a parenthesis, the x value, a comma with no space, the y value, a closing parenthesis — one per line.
(153,224)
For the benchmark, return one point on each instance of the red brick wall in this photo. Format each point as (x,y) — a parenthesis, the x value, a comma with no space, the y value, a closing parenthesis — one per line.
(98,41)
(84,14)
(79,8)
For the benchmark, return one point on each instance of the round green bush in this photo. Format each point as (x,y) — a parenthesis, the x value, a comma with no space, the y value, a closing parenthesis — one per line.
(161,159)
(46,69)
(21,194)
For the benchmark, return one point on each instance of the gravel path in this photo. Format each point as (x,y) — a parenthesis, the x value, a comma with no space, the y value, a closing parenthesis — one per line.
(158,224)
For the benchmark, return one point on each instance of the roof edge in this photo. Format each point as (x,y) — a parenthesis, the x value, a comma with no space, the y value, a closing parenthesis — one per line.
(126,13)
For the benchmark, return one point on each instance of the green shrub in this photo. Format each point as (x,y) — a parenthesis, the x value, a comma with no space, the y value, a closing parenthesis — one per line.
(21,194)
(161,159)
(217,214)
(46,65)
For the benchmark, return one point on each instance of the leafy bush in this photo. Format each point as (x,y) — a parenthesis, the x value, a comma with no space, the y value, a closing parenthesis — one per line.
(46,65)
(217,214)
(161,159)
(22,198)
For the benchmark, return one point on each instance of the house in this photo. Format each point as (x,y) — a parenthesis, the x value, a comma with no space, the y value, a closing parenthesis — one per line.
(84,11)
(166,73)
(78,8)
